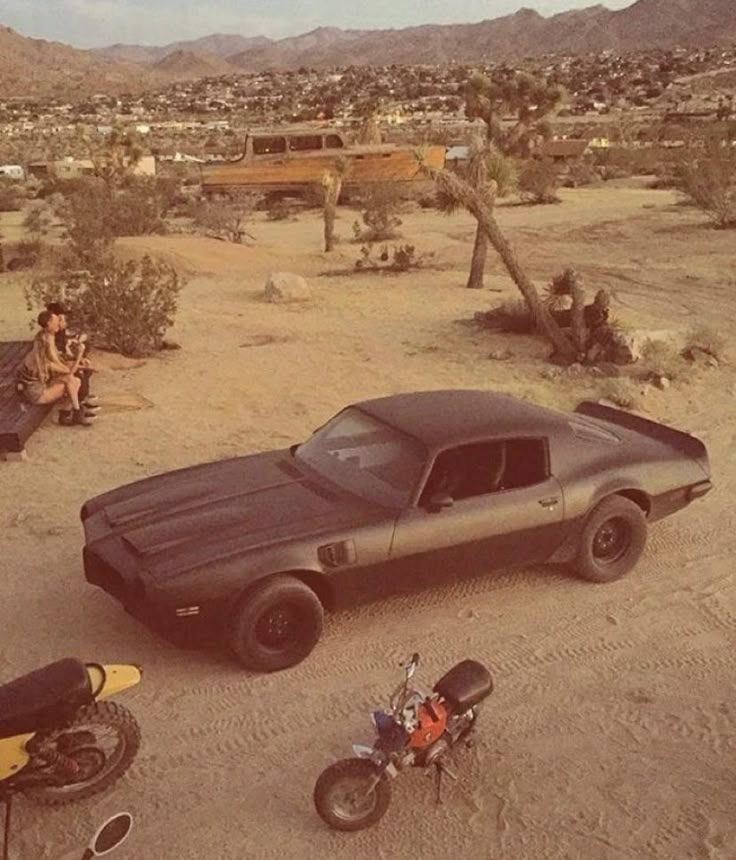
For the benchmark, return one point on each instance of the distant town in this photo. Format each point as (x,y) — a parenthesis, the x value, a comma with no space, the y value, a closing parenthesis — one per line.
(652,97)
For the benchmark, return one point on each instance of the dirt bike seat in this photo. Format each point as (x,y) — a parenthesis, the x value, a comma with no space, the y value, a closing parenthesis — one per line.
(466,684)
(44,698)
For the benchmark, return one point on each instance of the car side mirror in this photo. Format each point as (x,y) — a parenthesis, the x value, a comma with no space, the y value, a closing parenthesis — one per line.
(439,501)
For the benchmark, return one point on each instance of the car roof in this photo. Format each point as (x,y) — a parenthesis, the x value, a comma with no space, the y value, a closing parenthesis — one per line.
(453,416)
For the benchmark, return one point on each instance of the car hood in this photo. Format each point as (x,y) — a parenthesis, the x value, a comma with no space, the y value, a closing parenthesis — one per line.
(236,504)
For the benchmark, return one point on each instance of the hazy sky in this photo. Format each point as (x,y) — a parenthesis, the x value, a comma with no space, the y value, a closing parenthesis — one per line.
(93,23)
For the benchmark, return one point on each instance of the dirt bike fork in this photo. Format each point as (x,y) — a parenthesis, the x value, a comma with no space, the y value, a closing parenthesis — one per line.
(439,769)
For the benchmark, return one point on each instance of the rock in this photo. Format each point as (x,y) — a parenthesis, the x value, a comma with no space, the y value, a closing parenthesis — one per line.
(283,287)
(575,369)
(501,355)
(551,373)
(626,347)
(662,383)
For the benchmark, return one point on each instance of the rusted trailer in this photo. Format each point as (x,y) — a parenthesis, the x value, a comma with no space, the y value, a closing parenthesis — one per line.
(290,161)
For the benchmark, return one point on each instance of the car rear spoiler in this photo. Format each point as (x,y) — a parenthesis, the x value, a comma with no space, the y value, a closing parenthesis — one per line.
(683,442)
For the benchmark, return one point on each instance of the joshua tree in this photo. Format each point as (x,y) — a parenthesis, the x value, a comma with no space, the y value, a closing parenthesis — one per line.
(530,100)
(369,130)
(481,206)
(486,167)
(331,187)
(114,157)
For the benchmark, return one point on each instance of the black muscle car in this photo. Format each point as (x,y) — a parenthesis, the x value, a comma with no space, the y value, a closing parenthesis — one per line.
(386,491)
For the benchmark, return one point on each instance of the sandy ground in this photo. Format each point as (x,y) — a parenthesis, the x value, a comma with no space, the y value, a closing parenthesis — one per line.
(611,730)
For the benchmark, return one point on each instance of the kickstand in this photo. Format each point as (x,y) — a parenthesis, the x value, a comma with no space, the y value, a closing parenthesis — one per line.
(441,768)
(6,801)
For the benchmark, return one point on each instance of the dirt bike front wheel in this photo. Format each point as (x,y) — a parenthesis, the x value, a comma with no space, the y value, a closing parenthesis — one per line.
(102,740)
(352,794)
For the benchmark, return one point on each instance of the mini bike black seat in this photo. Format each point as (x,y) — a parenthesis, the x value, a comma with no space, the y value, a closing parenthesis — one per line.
(43,698)
(466,684)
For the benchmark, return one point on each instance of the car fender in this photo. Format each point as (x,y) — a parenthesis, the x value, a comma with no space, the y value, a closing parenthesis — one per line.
(584,498)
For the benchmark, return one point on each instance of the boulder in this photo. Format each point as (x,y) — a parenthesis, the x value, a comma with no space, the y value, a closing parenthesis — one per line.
(282,287)
(626,347)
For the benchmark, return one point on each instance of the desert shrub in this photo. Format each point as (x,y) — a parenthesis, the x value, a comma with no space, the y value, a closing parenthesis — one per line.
(38,219)
(708,180)
(617,162)
(503,171)
(11,196)
(704,340)
(581,173)
(225,219)
(279,209)
(620,392)
(125,306)
(661,360)
(539,181)
(380,203)
(94,212)
(512,315)
(401,258)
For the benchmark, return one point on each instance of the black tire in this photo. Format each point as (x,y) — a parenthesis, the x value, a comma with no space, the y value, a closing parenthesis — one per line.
(337,778)
(612,540)
(93,717)
(276,624)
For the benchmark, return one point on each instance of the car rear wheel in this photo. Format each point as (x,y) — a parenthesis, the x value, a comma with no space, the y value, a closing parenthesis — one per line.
(612,540)
(276,624)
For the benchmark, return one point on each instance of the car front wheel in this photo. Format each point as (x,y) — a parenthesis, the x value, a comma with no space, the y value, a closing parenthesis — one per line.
(276,624)
(612,540)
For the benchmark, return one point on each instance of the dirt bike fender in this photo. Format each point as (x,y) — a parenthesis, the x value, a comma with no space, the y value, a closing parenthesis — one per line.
(13,755)
(380,760)
(112,678)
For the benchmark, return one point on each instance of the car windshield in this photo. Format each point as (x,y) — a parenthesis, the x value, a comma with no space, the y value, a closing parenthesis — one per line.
(366,457)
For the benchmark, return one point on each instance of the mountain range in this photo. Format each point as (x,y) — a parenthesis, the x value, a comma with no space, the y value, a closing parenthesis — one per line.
(34,66)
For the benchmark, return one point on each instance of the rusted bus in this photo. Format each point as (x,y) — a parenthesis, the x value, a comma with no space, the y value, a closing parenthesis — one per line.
(289,161)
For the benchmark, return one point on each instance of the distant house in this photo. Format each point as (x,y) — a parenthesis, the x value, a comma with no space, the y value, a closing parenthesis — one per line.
(562,151)
(72,168)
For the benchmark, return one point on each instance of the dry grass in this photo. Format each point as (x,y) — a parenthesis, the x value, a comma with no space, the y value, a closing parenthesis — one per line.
(660,360)
(705,340)
(621,392)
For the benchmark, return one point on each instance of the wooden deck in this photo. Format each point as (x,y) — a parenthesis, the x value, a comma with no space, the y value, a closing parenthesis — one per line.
(18,419)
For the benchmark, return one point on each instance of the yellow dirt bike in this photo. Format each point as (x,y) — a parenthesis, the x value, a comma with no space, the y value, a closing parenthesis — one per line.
(60,740)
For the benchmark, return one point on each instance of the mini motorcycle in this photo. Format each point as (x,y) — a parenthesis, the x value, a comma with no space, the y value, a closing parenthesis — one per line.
(418,730)
(60,740)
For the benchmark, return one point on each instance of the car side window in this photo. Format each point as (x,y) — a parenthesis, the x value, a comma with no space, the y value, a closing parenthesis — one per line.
(487,467)
(267,145)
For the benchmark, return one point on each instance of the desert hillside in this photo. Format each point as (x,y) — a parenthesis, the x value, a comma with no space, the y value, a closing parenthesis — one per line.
(612,729)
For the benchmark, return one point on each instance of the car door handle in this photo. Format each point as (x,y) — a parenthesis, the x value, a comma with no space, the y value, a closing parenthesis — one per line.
(549,503)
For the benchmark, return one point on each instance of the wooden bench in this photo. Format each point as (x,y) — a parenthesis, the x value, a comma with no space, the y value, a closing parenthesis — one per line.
(18,419)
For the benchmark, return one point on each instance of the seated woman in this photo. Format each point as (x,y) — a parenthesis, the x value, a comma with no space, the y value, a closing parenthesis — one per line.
(45,377)
(67,345)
